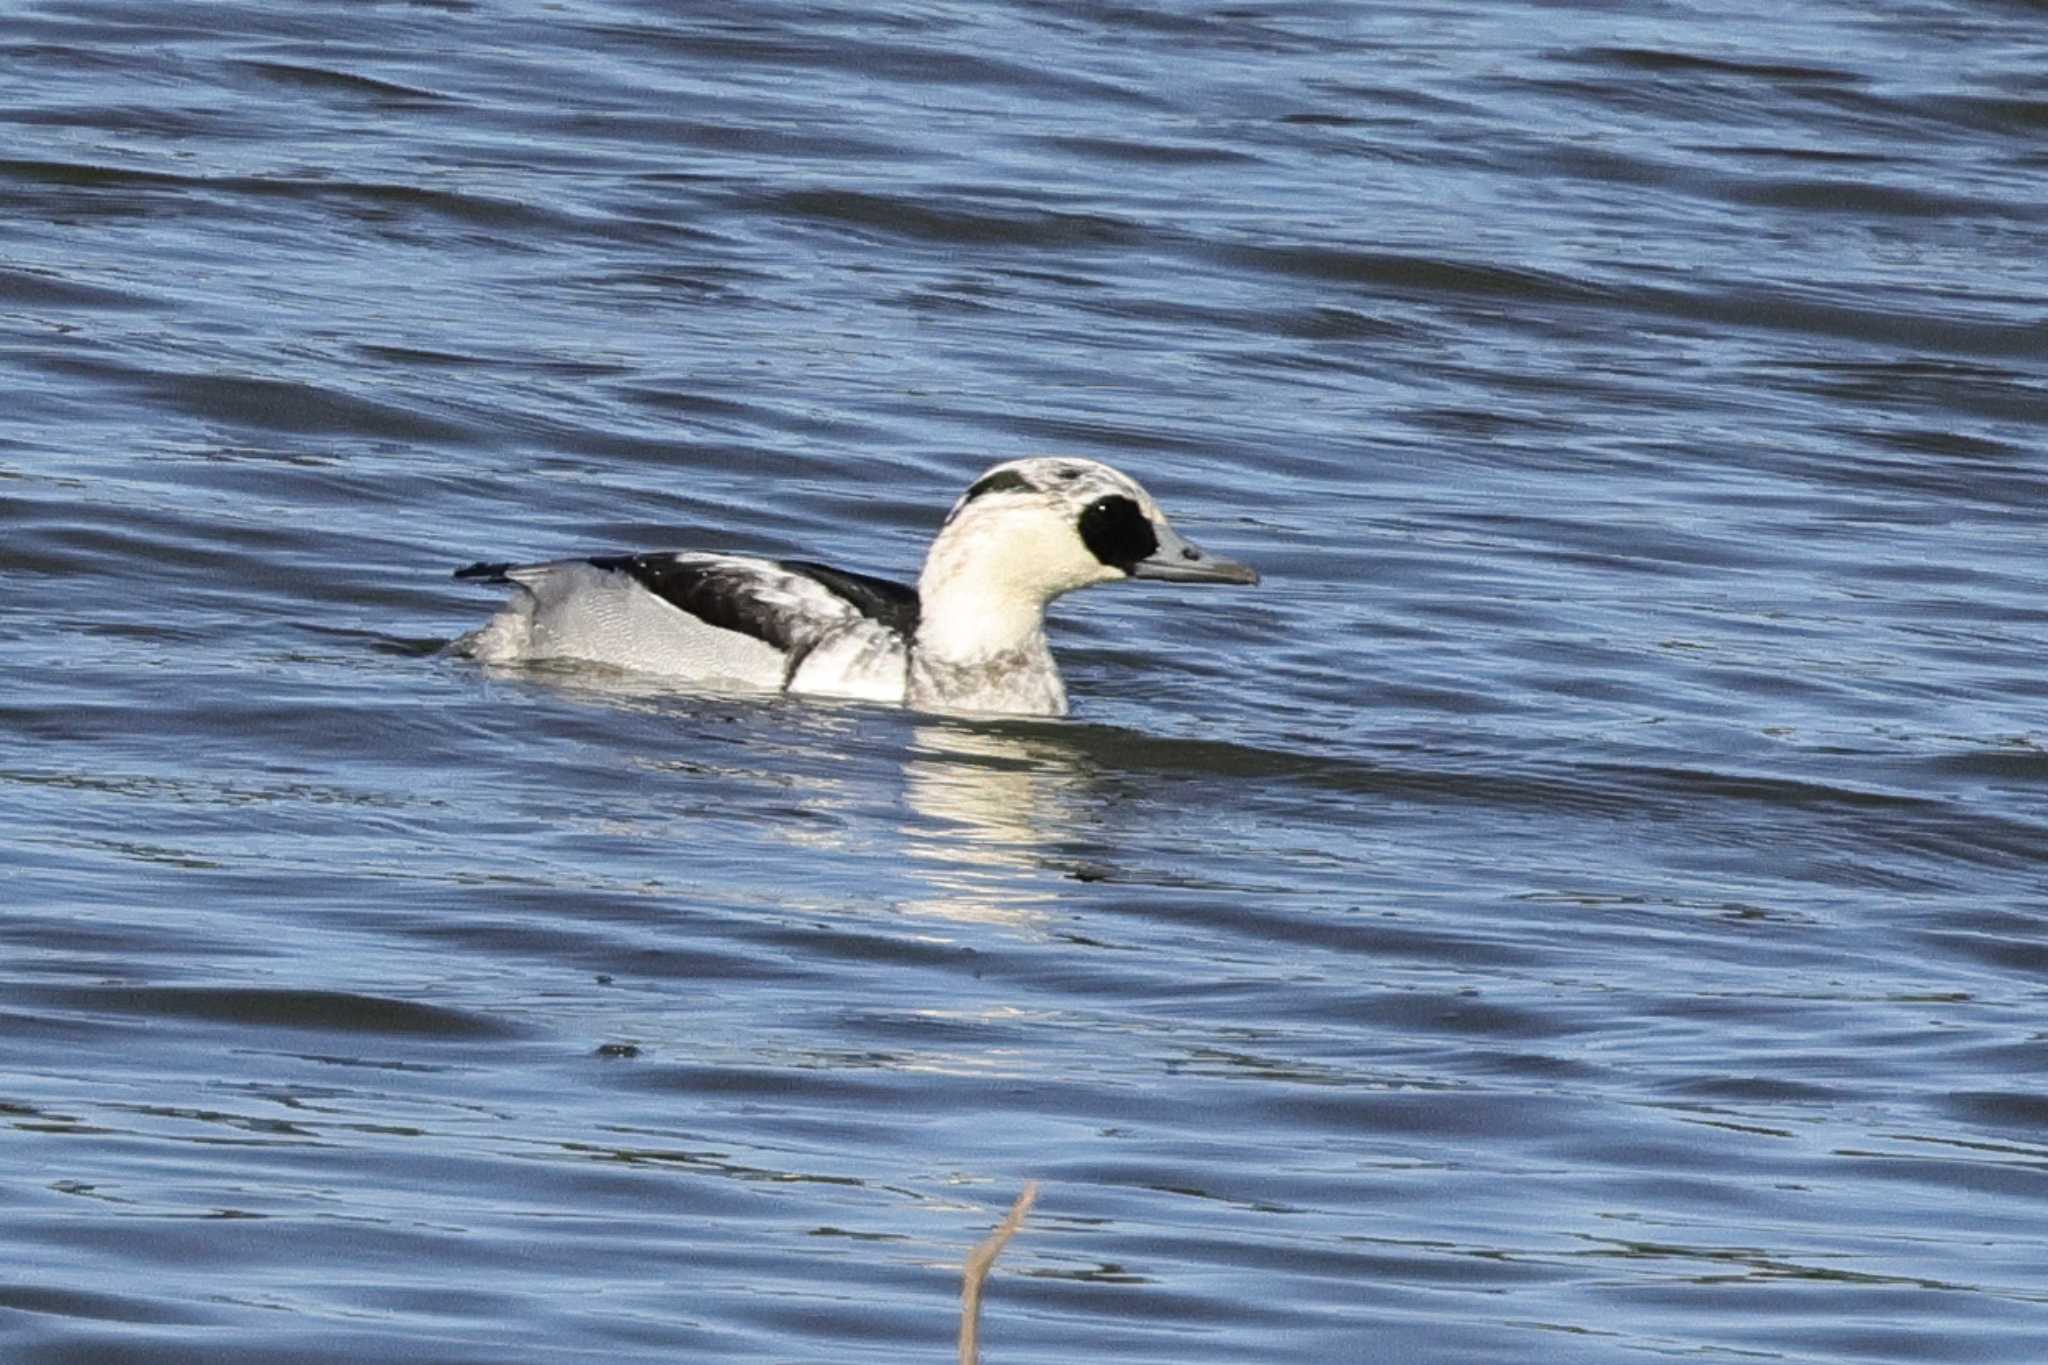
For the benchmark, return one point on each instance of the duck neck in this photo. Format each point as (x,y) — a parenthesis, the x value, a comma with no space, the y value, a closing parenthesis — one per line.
(977,650)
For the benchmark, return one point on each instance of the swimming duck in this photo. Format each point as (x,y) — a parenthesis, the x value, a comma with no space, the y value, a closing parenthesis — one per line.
(969,637)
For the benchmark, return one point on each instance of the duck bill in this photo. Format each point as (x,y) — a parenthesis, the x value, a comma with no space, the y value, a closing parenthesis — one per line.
(1179,561)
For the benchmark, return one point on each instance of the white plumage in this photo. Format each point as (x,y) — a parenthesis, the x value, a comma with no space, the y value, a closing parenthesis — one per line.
(969,637)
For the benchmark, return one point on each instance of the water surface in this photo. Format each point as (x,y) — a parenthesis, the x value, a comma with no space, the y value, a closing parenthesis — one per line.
(1586,904)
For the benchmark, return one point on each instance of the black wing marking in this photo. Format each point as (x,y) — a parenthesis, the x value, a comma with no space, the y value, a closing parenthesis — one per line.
(721,594)
(881,600)
(486,573)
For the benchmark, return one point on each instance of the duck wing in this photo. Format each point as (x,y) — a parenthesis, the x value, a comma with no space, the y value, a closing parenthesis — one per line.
(756,620)
(882,600)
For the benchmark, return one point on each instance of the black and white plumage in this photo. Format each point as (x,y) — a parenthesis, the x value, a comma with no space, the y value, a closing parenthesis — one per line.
(969,637)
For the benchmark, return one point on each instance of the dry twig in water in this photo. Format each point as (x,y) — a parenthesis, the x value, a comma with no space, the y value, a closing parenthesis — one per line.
(978,1263)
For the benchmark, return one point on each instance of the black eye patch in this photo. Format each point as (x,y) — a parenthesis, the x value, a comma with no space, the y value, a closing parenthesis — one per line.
(1117,531)
(1002,480)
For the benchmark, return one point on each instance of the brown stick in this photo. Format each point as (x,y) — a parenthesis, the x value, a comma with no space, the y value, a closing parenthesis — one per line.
(978,1262)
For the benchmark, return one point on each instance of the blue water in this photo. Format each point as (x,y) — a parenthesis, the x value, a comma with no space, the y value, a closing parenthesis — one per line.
(1589,903)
